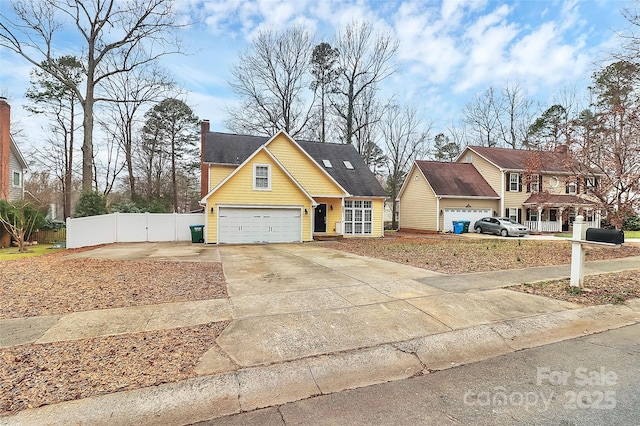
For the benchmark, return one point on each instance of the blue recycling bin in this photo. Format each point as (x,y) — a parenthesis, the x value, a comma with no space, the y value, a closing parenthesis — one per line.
(458,227)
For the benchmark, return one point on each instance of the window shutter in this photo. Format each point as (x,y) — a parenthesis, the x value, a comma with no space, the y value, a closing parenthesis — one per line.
(519,215)
(566,187)
(508,184)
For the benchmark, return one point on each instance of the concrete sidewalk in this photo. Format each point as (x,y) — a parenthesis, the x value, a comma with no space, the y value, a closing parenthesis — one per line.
(307,320)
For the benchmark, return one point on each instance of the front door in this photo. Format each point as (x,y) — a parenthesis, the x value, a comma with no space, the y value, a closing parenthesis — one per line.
(320,222)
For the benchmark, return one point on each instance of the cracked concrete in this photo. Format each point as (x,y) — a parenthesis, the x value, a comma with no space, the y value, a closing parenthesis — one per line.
(306,320)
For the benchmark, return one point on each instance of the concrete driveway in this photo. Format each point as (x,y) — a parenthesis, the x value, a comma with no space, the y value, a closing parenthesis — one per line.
(295,301)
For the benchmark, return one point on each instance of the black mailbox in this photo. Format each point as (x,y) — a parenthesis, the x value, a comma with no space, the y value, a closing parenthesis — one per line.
(599,235)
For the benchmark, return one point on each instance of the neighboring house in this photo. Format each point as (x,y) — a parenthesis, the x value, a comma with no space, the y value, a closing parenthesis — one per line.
(536,188)
(434,194)
(12,164)
(258,189)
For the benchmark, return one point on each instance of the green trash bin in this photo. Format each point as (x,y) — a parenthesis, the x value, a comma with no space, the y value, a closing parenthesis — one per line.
(465,226)
(197,233)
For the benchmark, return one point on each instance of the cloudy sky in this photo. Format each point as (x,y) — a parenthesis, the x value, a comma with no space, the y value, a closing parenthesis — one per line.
(449,50)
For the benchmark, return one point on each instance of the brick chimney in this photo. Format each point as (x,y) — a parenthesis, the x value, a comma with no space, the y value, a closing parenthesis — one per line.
(204,168)
(5,149)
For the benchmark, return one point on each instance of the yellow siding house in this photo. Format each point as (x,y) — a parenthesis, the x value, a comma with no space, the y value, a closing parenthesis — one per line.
(257,189)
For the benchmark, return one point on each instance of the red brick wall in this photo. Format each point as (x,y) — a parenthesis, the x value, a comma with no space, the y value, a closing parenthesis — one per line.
(5,149)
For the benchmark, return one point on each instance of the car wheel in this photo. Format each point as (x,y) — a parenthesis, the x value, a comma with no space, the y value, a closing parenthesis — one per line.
(504,233)
(479,230)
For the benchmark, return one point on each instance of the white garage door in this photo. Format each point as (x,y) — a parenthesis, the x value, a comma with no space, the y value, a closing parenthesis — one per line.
(464,214)
(258,225)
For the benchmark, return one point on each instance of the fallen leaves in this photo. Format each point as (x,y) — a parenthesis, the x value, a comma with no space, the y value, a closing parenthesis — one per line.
(451,254)
(51,285)
(41,374)
(600,289)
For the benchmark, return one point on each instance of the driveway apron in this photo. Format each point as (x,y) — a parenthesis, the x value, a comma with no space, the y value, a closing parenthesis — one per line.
(295,301)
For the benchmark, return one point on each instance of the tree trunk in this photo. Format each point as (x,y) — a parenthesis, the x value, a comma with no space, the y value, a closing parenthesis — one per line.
(87,145)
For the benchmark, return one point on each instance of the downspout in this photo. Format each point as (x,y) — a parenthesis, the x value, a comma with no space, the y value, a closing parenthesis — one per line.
(502,190)
(438,214)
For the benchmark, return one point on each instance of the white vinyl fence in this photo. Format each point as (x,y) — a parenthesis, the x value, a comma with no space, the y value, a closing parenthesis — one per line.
(131,227)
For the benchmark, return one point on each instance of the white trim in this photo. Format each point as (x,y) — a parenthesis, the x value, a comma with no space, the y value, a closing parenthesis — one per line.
(255,177)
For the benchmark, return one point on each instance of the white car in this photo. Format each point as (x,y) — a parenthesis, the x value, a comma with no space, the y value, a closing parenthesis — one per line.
(500,226)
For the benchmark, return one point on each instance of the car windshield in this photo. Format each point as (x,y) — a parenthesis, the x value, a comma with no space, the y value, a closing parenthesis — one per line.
(508,220)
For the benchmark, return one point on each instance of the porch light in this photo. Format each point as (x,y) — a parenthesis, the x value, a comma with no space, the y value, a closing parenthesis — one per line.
(211,210)
(331,207)
(305,211)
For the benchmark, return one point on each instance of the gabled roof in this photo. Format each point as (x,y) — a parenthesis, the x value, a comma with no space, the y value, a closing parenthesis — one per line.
(232,149)
(521,159)
(277,163)
(455,179)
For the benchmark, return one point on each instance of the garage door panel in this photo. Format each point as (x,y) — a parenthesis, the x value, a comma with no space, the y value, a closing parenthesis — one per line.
(470,214)
(258,225)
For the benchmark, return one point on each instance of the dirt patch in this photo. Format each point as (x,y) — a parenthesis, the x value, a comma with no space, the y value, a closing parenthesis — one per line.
(53,284)
(451,254)
(42,374)
(601,289)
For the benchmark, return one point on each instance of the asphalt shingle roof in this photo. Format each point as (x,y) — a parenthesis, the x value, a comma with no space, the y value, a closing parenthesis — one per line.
(225,148)
(556,199)
(455,179)
(520,159)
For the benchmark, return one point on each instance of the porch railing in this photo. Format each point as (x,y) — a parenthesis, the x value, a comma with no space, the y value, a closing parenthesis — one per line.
(543,226)
(548,226)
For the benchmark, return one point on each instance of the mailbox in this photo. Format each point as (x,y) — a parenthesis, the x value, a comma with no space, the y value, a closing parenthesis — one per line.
(599,235)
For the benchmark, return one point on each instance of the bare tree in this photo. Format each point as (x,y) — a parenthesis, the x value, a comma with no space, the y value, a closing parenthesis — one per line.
(271,78)
(137,31)
(405,141)
(365,60)
(514,116)
(481,115)
(122,118)
(60,104)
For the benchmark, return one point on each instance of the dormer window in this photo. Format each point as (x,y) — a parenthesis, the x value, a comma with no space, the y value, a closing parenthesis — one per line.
(348,165)
(572,188)
(327,163)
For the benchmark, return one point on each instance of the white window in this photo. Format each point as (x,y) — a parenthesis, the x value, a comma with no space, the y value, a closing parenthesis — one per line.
(533,215)
(327,163)
(16,179)
(262,177)
(348,165)
(469,158)
(572,188)
(513,214)
(534,185)
(514,182)
(358,217)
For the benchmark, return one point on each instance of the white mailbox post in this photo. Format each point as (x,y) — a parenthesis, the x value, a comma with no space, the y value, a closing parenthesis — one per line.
(577,251)
(579,243)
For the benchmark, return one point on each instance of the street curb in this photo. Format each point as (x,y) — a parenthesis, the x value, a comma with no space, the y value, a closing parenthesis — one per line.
(246,389)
